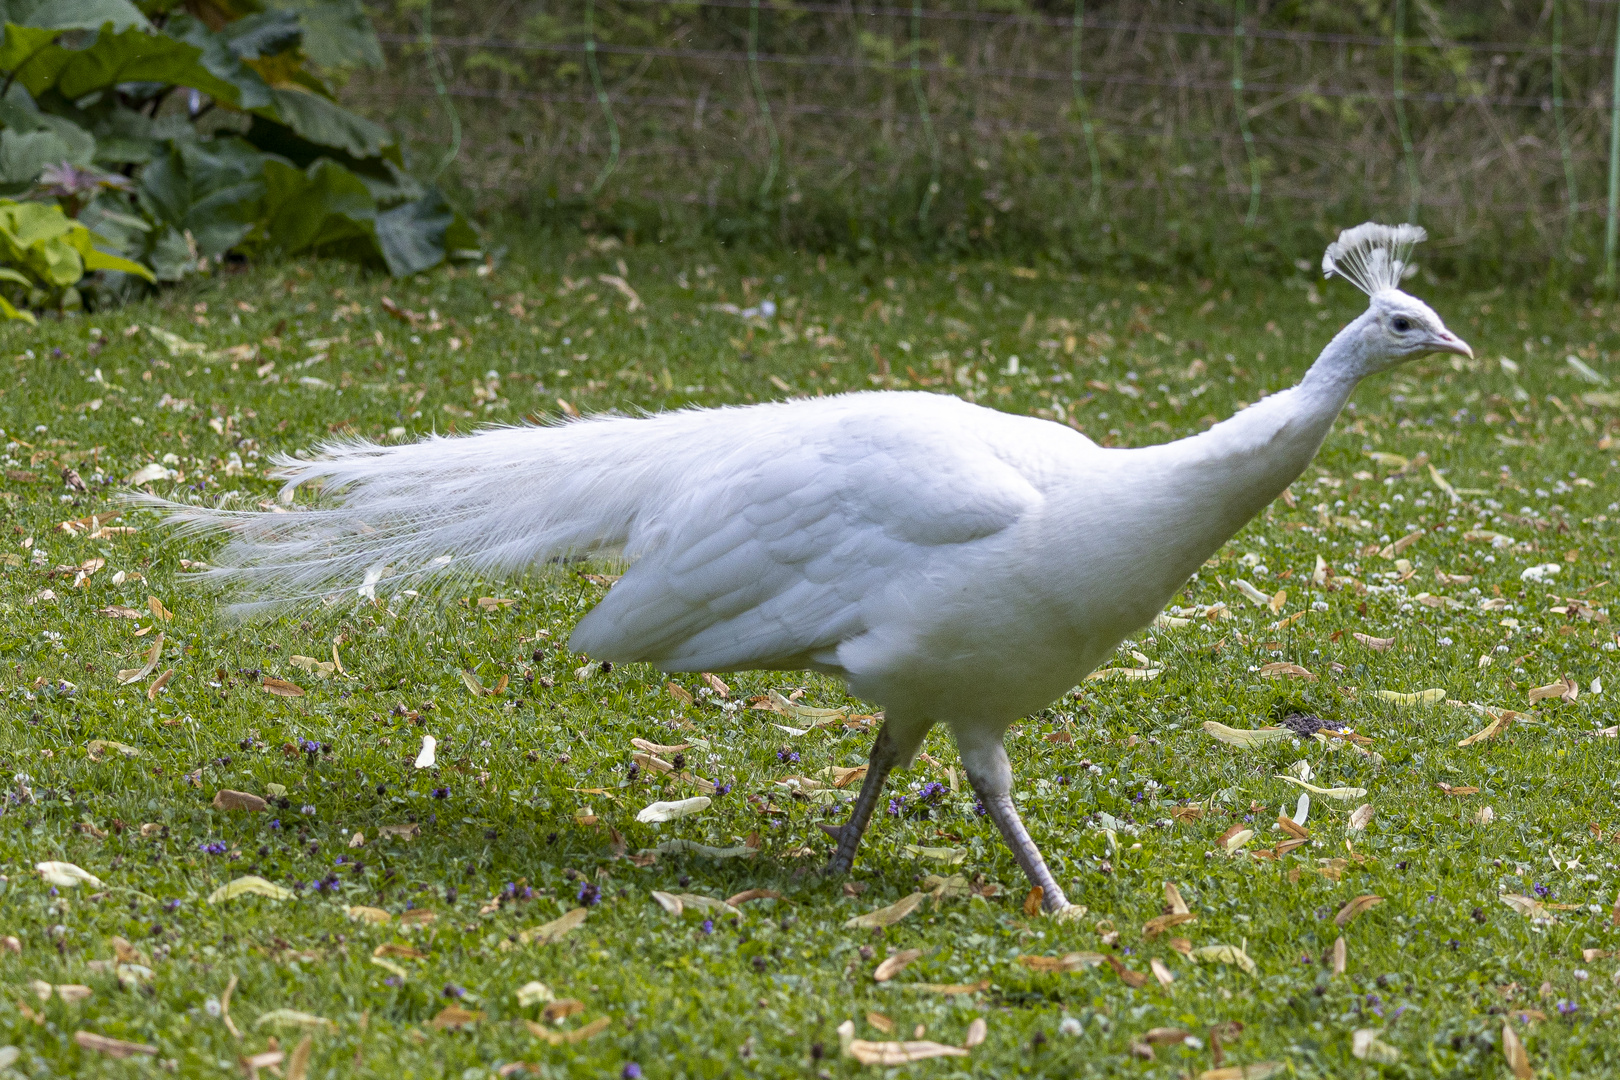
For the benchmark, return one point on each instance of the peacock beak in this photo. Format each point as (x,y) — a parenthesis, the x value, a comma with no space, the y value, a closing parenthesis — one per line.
(1446,341)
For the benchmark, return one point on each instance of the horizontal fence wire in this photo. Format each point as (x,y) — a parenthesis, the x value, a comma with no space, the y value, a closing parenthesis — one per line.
(882,120)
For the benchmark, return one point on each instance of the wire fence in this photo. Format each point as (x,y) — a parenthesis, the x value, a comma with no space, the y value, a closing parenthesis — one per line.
(1142,127)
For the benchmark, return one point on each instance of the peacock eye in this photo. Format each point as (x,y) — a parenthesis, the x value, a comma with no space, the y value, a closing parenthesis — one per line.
(1402,324)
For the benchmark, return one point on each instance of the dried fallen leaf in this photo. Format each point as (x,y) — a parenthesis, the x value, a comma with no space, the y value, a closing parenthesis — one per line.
(282,688)
(1366,1046)
(752,894)
(251,885)
(1528,906)
(1246,738)
(1360,817)
(298,1064)
(1501,720)
(1172,896)
(65,875)
(158,684)
(1564,689)
(1071,962)
(1133,674)
(569,1038)
(894,964)
(292,1018)
(1260,1070)
(1032,901)
(426,757)
(1513,1050)
(1345,794)
(117,1048)
(1282,669)
(153,655)
(226,799)
(977,1031)
(1161,971)
(1348,913)
(1422,697)
(96,747)
(362,913)
(887,916)
(669,811)
(1225,954)
(554,930)
(404,832)
(900,1053)
(1134,979)
(453,1017)
(1156,926)
(1377,644)
(1341,955)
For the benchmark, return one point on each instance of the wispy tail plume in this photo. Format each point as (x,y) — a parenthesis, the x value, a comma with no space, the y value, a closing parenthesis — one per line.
(444,509)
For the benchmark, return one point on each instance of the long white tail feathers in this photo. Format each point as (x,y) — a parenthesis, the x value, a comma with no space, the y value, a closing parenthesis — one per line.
(430,513)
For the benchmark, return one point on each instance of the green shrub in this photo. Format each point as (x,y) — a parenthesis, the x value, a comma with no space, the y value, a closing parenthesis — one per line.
(180,133)
(47,253)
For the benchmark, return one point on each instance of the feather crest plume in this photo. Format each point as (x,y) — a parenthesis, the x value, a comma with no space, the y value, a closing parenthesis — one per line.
(1372,257)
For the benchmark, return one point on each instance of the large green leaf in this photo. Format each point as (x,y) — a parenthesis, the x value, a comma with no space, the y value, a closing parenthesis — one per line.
(214,188)
(23,155)
(130,55)
(337,33)
(24,46)
(12,313)
(74,14)
(96,259)
(323,205)
(411,237)
(267,33)
(216,55)
(325,123)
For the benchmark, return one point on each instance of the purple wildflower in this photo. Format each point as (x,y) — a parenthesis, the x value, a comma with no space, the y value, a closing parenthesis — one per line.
(979,807)
(631,1071)
(441,793)
(589,894)
(1541,890)
(451,990)
(790,757)
(707,927)
(931,791)
(1565,1006)
(721,789)
(896,805)
(217,847)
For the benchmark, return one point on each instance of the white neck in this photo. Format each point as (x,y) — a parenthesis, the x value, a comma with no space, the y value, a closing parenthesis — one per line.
(1189,497)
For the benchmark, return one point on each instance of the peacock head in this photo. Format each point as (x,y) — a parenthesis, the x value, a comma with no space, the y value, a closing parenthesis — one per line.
(1397,326)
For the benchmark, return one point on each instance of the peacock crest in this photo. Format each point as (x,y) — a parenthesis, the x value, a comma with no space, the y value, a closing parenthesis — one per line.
(1372,257)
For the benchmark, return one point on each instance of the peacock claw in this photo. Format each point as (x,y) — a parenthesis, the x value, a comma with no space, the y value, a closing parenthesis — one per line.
(1069,913)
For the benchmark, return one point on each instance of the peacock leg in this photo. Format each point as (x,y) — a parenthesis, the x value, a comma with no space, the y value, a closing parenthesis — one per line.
(991,776)
(882,760)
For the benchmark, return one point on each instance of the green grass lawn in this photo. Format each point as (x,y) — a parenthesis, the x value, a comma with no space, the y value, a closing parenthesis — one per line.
(530,809)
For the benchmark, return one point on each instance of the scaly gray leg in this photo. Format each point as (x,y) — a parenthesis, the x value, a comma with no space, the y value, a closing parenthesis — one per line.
(991,776)
(882,760)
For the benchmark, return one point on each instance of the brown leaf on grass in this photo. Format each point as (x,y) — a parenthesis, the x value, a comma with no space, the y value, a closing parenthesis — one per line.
(561,1010)
(298,1064)
(977,1032)
(569,1038)
(714,682)
(1360,817)
(1341,955)
(842,777)
(1172,897)
(1500,722)
(1355,907)
(119,611)
(887,916)
(158,684)
(894,964)
(117,1048)
(159,612)
(1070,962)
(554,930)
(398,950)
(1032,901)
(1460,790)
(418,916)
(1187,814)
(153,654)
(1156,926)
(361,913)
(494,603)
(900,1053)
(1166,1036)
(1283,669)
(1562,690)
(950,989)
(1161,971)
(881,1022)
(282,688)
(1287,824)
(454,1016)
(680,693)
(1513,1050)
(1246,738)
(1377,644)
(226,799)
(752,894)
(1143,1051)
(1260,1070)
(1134,979)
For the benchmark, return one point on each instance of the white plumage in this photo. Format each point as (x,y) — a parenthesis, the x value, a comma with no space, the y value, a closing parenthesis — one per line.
(955,564)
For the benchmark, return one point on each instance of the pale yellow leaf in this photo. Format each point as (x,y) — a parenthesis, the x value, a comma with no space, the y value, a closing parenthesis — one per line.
(887,916)
(554,930)
(894,964)
(669,811)
(251,885)
(1366,1046)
